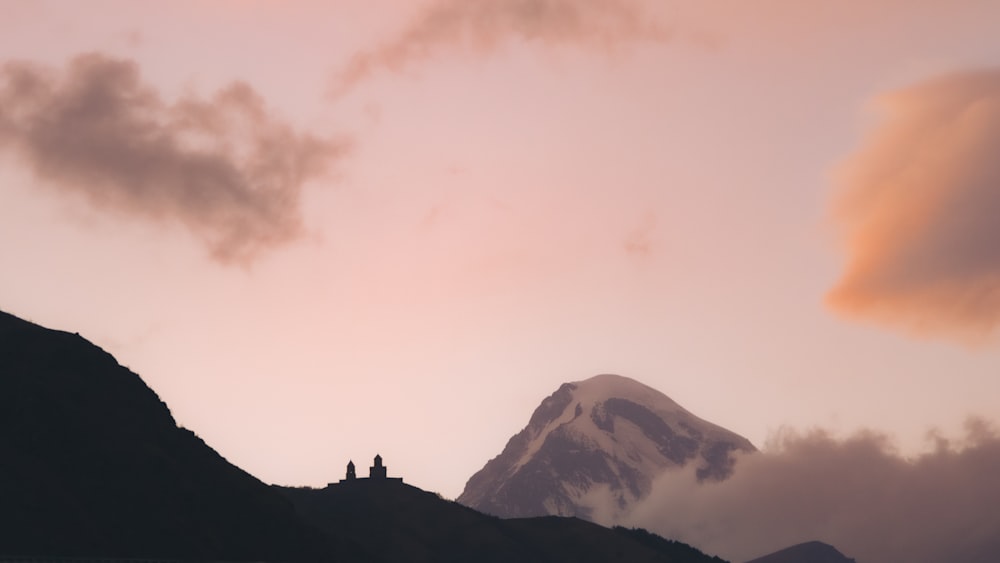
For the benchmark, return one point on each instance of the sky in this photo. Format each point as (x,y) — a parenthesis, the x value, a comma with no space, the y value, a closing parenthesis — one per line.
(325,230)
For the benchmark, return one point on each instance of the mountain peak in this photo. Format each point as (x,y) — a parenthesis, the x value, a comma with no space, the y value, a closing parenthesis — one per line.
(593,447)
(612,384)
(611,379)
(811,552)
(609,385)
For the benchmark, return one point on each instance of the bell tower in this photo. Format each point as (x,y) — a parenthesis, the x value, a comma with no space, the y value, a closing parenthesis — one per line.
(377,471)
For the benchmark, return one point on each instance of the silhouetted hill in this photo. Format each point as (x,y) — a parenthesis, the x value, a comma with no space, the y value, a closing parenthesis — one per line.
(403,523)
(93,464)
(809,552)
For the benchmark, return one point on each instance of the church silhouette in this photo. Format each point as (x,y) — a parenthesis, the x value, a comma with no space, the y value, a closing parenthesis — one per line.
(377,472)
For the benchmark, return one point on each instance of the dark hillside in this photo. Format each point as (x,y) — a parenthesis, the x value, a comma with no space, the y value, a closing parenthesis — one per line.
(93,464)
(400,522)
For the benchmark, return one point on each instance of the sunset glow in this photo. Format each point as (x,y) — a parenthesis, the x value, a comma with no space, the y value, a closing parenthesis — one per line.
(325,230)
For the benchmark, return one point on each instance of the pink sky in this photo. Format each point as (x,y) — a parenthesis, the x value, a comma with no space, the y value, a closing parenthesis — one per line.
(525,196)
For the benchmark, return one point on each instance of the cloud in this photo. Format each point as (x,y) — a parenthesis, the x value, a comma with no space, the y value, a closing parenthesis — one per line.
(918,206)
(856,494)
(484,24)
(223,167)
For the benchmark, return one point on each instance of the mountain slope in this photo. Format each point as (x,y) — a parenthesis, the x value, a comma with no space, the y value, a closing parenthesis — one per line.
(809,552)
(93,464)
(398,522)
(593,447)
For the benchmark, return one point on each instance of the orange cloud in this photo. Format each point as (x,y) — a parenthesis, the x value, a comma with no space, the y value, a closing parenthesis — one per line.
(484,24)
(224,168)
(919,209)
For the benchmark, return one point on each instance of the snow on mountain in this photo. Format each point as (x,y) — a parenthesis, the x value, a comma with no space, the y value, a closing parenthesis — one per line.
(593,448)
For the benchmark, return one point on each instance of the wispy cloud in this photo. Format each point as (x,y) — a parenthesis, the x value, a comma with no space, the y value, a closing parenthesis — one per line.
(223,167)
(857,494)
(482,25)
(919,208)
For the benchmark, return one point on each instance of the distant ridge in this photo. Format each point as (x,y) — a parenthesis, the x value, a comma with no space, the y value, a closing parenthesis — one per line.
(808,552)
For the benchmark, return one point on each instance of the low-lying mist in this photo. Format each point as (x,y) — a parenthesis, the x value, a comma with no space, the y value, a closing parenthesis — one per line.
(858,494)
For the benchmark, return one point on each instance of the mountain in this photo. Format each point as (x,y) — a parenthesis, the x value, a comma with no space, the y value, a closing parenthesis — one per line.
(593,448)
(93,464)
(398,522)
(94,467)
(809,552)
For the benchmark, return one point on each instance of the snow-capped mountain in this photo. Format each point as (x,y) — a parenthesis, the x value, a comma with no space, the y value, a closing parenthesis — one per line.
(593,448)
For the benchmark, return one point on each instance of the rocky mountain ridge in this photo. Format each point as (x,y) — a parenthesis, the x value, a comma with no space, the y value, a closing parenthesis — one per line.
(593,448)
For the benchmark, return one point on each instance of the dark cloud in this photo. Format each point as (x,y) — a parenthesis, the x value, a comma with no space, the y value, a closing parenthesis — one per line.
(857,494)
(482,25)
(919,208)
(223,167)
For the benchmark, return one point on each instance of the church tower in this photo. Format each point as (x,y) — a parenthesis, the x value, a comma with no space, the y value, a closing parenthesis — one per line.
(377,471)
